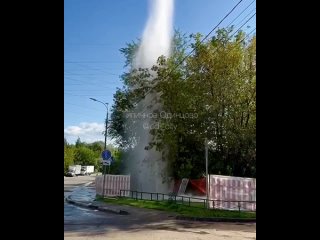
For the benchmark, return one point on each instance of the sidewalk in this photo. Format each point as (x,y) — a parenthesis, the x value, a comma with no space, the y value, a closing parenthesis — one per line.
(84,196)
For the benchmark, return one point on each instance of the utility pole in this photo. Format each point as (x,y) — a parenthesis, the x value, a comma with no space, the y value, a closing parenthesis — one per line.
(207,176)
(105,143)
(106,133)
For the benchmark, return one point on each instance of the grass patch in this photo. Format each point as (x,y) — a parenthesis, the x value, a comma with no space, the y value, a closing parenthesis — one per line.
(179,208)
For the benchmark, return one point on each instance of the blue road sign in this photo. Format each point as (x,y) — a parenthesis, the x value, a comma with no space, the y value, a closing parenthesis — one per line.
(106,154)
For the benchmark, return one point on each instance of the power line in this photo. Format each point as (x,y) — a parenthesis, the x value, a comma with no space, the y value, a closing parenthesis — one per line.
(91,74)
(92,44)
(243,24)
(86,95)
(245,17)
(92,62)
(100,82)
(210,32)
(83,69)
(220,22)
(241,13)
(83,90)
(251,32)
(96,69)
(94,84)
(77,80)
(81,106)
(77,113)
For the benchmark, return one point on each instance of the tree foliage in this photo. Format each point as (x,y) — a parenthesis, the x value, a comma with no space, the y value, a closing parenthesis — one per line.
(211,95)
(83,153)
(85,156)
(68,157)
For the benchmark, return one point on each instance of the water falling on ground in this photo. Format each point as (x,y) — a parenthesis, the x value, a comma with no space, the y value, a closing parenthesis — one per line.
(149,172)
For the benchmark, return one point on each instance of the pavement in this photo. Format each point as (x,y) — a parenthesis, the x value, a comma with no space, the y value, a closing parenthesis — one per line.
(84,196)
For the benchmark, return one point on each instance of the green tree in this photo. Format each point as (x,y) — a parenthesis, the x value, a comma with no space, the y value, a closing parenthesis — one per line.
(79,143)
(68,157)
(218,87)
(85,156)
(97,147)
(209,95)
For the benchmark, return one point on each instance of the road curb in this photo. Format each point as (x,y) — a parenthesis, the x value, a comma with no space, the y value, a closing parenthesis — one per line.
(96,207)
(122,212)
(210,219)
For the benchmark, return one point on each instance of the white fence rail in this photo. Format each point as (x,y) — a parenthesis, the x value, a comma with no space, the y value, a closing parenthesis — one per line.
(113,184)
(232,192)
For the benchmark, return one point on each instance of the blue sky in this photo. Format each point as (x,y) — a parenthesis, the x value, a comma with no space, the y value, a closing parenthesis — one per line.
(95,30)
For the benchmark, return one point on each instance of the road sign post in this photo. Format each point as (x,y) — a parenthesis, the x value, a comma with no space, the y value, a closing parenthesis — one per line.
(106,156)
(104,180)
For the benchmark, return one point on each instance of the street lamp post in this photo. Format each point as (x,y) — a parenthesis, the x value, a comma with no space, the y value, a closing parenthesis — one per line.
(105,142)
(106,132)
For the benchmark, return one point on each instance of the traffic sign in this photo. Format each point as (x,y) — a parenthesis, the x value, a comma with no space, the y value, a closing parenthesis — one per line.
(106,154)
(106,162)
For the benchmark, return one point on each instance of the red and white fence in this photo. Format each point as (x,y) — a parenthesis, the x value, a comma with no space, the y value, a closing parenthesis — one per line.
(113,185)
(232,192)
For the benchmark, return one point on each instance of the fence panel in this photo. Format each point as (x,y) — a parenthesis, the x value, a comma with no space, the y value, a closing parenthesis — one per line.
(232,192)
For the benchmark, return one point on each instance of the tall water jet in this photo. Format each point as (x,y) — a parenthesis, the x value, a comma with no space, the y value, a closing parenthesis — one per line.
(149,172)
(157,35)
